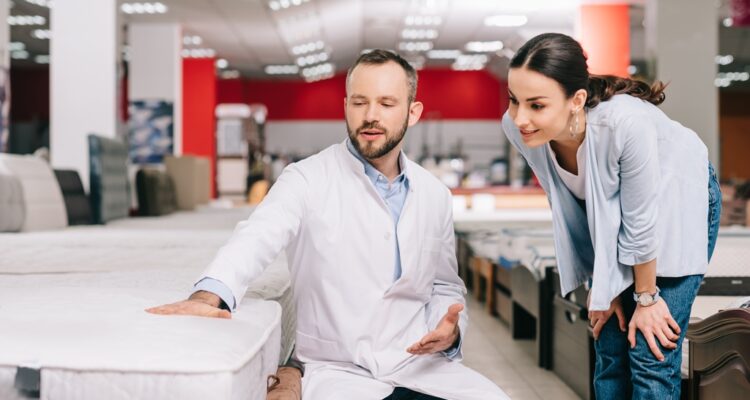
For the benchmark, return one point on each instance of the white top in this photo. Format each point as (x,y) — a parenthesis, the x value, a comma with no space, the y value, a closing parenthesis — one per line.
(575,183)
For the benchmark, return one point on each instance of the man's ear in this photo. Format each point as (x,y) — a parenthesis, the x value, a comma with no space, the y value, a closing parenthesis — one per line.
(415,112)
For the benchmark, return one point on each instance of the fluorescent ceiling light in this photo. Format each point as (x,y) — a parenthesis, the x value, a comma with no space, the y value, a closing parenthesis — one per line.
(506,20)
(144,8)
(415,46)
(19,55)
(42,34)
(26,20)
(443,54)
(281,69)
(277,5)
(192,40)
(484,47)
(423,20)
(419,34)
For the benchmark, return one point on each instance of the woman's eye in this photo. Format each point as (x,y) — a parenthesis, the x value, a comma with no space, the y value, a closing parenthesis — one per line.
(513,101)
(537,106)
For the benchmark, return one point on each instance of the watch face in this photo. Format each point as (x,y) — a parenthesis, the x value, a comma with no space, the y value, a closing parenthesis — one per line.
(645,299)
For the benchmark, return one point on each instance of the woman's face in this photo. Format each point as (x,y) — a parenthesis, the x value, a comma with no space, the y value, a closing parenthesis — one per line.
(539,107)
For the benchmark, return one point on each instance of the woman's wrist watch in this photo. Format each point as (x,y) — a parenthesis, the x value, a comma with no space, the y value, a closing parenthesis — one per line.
(646,299)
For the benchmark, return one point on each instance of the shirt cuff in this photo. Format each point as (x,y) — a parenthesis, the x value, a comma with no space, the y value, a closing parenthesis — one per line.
(453,351)
(218,288)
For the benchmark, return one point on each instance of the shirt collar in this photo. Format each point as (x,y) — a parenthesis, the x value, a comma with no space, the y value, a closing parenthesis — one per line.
(371,171)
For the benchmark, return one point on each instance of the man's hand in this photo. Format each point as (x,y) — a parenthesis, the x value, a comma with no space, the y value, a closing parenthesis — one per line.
(599,318)
(443,337)
(200,304)
(654,322)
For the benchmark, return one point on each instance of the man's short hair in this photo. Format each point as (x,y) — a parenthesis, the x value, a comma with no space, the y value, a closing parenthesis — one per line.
(380,57)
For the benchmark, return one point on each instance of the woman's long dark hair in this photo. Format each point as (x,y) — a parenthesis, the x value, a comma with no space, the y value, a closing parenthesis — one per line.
(561,58)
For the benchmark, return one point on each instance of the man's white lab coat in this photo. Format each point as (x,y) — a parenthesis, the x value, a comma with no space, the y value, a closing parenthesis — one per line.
(354,322)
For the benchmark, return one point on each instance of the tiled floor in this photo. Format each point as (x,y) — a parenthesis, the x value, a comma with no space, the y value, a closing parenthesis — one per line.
(489,349)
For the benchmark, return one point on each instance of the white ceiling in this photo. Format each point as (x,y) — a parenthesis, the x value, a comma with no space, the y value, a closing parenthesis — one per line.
(250,35)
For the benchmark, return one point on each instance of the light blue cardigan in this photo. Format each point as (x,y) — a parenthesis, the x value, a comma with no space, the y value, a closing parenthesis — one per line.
(646,197)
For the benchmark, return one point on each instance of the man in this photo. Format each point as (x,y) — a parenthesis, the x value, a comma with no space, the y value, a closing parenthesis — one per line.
(369,238)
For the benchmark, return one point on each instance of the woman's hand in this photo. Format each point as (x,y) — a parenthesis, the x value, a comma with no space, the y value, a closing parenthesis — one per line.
(599,318)
(654,321)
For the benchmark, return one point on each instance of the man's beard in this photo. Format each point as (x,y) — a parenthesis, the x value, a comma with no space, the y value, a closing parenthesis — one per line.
(369,151)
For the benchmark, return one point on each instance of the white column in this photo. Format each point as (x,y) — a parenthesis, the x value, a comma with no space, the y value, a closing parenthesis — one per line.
(682,39)
(155,69)
(83,79)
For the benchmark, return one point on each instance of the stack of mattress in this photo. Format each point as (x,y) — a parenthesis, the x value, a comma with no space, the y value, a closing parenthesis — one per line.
(72,306)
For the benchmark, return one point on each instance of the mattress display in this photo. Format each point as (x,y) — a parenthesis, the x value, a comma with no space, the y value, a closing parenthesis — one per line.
(467,221)
(203,218)
(108,164)
(42,199)
(12,210)
(130,258)
(77,204)
(538,258)
(513,243)
(156,195)
(728,273)
(98,342)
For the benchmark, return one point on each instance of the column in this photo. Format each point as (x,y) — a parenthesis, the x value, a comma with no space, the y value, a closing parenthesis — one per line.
(604,33)
(155,87)
(83,79)
(682,38)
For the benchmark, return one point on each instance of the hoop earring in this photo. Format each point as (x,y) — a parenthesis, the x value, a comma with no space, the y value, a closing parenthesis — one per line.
(574,126)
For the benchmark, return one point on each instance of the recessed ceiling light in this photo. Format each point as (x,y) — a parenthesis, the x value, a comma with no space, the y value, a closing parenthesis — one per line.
(506,20)
(484,47)
(42,34)
(443,54)
(144,8)
(281,69)
(419,34)
(415,46)
(222,63)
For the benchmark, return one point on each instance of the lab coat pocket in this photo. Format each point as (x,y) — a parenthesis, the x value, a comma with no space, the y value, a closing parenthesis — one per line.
(311,347)
(428,264)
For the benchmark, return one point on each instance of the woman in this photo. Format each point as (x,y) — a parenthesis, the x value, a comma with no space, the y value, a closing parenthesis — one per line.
(635,207)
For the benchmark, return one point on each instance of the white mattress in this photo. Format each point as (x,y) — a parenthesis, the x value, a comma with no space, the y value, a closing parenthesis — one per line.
(536,258)
(123,269)
(97,342)
(204,217)
(468,221)
(731,256)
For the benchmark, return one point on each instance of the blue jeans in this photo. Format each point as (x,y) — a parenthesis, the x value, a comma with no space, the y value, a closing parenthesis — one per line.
(623,373)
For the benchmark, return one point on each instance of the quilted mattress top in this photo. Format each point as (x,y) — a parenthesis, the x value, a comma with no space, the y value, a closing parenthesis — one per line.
(105,328)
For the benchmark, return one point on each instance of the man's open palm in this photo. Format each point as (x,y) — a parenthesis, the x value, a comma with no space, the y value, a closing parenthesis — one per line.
(444,335)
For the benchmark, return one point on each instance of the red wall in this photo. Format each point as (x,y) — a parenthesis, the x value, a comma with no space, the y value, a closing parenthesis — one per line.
(446,94)
(198,105)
